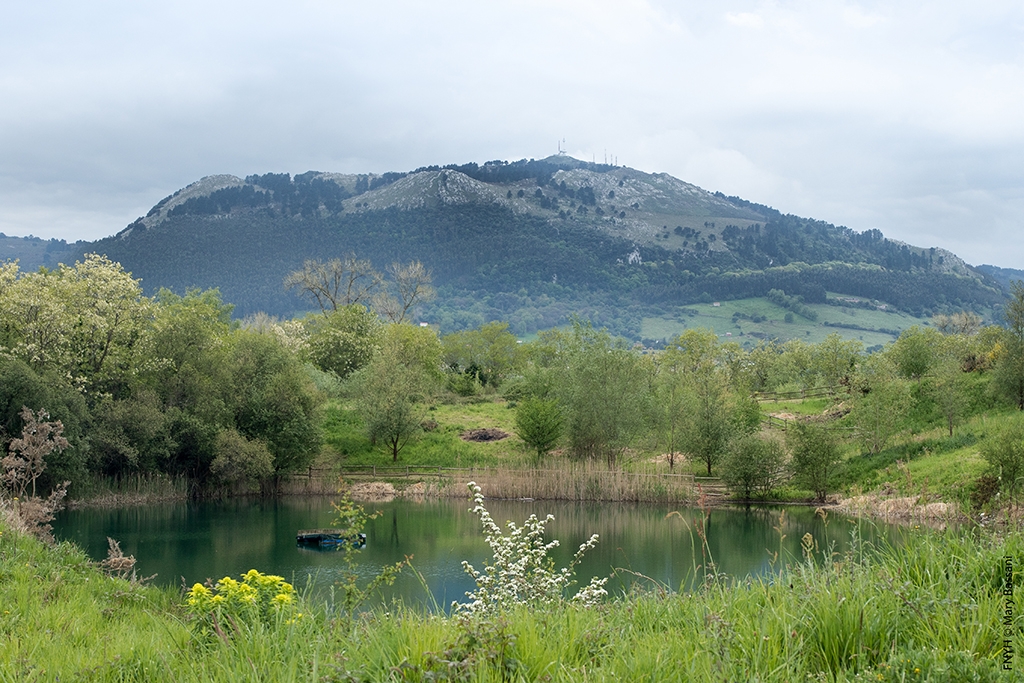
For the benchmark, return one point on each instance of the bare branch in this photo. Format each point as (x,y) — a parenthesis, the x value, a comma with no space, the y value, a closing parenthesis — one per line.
(411,284)
(336,283)
(27,459)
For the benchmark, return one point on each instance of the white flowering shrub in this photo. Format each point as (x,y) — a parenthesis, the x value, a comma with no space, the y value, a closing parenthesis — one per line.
(522,573)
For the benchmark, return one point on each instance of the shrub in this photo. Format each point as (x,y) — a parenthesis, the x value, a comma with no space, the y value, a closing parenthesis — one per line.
(754,465)
(1004,452)
(539,424)
(522,573)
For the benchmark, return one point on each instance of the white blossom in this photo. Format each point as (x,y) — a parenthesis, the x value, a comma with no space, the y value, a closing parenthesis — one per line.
(521,572)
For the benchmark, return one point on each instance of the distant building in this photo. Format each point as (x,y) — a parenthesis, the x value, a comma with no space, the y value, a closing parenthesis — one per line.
(717,303)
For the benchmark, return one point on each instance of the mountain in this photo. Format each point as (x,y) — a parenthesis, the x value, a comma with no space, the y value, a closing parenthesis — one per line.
(529,241)
(35,252)
(1003,276)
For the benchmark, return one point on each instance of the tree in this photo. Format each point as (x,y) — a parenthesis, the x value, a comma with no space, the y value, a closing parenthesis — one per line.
(1004,452)
(539,424)
(189,367)
(948,386)
(390,390)
(336,283)
(84,321)
(879,410)
(963,323)
(386,403)
(240,460)
(489,353)
(834,360)
(815,457)
(671,383)
(1009,379)
(410,286)
(604,391)
(915,352)
(704,410)
(708,422)
(754,464)
(272,399)
(342,340)
(21,386)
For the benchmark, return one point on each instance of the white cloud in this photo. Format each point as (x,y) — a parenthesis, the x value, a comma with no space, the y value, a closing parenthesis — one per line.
(745,19)
(856,17)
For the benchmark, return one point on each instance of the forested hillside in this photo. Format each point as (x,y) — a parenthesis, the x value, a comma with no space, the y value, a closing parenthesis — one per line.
(528,242)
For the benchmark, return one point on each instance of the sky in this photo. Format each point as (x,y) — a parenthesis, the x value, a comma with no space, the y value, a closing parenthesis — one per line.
(901,116)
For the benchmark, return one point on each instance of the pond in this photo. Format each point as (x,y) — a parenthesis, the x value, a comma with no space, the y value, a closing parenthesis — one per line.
(650,544)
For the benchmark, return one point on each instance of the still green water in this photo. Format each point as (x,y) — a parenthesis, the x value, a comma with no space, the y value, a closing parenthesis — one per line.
(188,543)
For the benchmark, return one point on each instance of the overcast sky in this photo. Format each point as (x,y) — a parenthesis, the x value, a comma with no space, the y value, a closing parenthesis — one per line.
(902,116)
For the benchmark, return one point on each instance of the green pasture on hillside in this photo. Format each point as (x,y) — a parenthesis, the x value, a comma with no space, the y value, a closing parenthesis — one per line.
(748,333)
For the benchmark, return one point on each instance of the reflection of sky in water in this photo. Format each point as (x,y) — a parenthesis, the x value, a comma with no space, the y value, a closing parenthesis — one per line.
(653,544)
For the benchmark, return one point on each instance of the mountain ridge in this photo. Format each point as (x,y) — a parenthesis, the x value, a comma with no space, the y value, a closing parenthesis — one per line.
(530,240)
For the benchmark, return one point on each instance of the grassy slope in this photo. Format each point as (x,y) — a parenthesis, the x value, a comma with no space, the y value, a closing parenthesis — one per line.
(441,447)
(719,318)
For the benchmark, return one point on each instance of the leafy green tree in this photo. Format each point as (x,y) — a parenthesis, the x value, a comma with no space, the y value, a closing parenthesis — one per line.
(129,435)
(1008,379)
(796,364)
(539,424)
(272,399)
(84,321)
(948,386)
(389,411)
(916,351)
(490,353)
(188,352)
(671,404)
(1004,452)
(708,418)
(241,461)
(880,409)
(342,340)
(604,391)
(391,390)
(21,386)
(834,360)
(815,457)
(754,465)
(1009,376)
(705,410)
(419,349)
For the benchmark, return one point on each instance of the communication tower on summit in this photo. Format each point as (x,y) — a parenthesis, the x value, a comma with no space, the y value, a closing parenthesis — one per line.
(561,148)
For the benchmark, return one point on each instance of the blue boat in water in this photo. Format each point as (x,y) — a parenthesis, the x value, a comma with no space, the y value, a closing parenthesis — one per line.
(327,538)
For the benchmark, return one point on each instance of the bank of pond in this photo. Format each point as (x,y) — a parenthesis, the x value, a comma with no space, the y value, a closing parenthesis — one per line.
(794,595)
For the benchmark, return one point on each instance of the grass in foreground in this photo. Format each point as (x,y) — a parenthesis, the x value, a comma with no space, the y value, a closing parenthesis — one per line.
(930,610)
